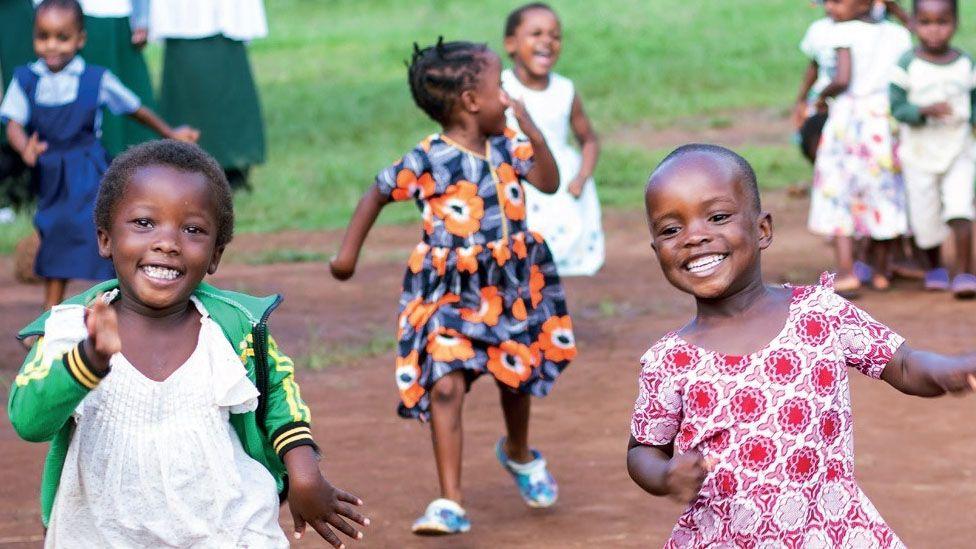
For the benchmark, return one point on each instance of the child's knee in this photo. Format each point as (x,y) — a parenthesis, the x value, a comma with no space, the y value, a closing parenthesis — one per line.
(448,389)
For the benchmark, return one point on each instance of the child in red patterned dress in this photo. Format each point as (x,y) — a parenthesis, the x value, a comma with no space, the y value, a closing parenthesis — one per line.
(745,412)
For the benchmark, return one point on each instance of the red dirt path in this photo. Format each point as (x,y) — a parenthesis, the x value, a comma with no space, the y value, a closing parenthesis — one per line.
(915,458)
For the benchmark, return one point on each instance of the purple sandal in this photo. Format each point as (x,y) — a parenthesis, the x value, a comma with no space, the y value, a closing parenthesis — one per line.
(964,286)
(937,280)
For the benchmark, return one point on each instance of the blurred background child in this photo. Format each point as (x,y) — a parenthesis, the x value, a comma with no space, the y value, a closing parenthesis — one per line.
(569,219)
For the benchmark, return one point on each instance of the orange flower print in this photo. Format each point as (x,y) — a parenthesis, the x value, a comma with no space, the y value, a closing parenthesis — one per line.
(506,173)
(461,208)
(556,340)
(537,281)
(510,363)
(425,144)
(428,216)
(514,200)
(446,345)
(467,258)
(407,379)
(403,321)
(447,299)
(510,133)
(537,237)
(410,186)
(518,309)
(500,251)
(416,261)
(491,308)
(518,246)
(438,259)
(420,313)
(523,151)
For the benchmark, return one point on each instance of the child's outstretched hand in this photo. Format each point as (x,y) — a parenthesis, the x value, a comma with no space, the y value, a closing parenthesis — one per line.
(685,476)
(33,149)
(575,186)
(525,122)
(342,268)
(103,334)
(937,110)
(314,501)
(185,134)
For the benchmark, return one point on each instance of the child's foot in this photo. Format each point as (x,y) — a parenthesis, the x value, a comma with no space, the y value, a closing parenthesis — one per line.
(880,282)
(863,272)
(847,286)
(937,280)
(536,486)
(908,270)
(964,286)
(443,516)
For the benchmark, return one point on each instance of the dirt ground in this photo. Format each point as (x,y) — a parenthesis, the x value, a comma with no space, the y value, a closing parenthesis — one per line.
(915,458)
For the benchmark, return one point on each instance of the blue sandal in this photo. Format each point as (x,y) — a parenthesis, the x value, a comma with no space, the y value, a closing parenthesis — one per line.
(536,486)
(443,516)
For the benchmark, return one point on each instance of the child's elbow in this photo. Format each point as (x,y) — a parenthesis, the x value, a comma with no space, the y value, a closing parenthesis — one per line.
(29,429)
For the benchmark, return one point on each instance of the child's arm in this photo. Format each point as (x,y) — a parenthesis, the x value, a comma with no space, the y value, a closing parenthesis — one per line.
(842,78)
(343,265)
(926,374)
(152,121)
(589,146)
(311,498)
(544,174)
(910,113)
(659,472)
(28,147)
(800,107)
(894,8)
(47,390)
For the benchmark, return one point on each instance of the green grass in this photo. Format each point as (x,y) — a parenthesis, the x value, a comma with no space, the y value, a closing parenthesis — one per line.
(337,107)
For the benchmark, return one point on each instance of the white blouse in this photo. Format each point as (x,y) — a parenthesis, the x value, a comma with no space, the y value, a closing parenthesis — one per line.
(158,464)
(235,19)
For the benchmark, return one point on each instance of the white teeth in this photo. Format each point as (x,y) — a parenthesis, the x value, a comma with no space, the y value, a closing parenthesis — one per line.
(161,273)
(704,263)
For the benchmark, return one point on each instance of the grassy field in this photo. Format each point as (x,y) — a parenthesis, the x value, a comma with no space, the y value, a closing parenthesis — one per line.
(337,107)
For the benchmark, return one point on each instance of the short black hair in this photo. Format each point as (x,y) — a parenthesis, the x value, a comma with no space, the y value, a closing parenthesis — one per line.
(514,18)
(185,157)
(953,4)
(70,5)
(744,170)
(439,73)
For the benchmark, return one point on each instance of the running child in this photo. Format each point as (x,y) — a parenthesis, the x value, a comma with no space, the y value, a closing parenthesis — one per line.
(52,109)
(933,88)
(173,418)
(744,413)
(569,219)
(857,188)
(481,293)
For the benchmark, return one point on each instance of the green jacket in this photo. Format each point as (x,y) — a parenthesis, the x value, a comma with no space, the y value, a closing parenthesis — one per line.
(46,392)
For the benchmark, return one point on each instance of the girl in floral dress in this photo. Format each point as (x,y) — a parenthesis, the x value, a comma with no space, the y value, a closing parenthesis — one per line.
(857,187)
(745,412)
(481,293)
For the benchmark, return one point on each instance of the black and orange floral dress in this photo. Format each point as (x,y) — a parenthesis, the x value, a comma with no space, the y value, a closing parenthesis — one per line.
(481,293)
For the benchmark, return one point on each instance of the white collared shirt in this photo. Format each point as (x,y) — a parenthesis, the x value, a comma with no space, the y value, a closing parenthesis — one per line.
(236,19)
(61,88)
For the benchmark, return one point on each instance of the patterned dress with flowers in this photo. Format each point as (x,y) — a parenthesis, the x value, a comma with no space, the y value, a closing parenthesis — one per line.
(778,424)
(481,293)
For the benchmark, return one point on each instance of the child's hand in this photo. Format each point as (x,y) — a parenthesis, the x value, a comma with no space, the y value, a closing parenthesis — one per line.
(103,334)
(32,150)
(342,269)
(525,122)
(937,110)
(185,134)
(314,501)
(139,38)
(686,472)
(575,186)
(799,114)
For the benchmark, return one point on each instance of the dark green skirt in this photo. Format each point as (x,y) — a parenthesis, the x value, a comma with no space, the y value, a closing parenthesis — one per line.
(207,83)
(110,45)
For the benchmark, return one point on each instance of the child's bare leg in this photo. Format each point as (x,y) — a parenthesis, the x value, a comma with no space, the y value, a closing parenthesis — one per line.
(962,232)
(516,408)
(446,402)
(844,252)
(880,262)
(53,291)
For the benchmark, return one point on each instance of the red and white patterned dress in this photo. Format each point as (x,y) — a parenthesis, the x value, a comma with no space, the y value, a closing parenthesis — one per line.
(778,422)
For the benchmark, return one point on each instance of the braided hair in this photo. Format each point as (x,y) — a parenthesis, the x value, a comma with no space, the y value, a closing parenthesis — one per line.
(439,73)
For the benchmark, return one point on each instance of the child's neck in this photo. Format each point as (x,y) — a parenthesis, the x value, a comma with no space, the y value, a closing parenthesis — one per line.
(940,55)
(733,306)
(533,82)
(467,135)
(131,310)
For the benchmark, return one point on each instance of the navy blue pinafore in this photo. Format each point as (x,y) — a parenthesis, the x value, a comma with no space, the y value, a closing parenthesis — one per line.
(66,178)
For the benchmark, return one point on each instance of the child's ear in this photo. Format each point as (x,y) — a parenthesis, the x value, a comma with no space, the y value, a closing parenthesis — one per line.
(765,227)
(82,39)
(104,243)
(215,259)
(509,45)
(469,101)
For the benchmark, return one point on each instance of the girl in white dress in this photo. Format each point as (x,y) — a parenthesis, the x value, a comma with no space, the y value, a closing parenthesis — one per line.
(569,219)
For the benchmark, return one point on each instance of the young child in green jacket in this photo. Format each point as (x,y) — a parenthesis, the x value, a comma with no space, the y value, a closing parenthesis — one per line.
(173,418)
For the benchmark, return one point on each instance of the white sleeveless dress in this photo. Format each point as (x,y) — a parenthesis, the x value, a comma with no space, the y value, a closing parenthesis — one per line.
(571,226)
(158,464)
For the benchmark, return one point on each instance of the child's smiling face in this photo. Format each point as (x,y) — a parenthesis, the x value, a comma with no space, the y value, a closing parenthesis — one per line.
(163,236)
(536,43)
(57,37)
(705,226)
